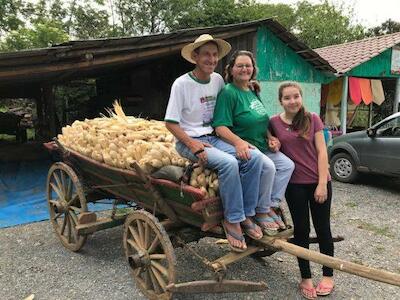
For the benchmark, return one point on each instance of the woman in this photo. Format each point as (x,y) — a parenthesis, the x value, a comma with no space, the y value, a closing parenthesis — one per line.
(302,140)
(241,119)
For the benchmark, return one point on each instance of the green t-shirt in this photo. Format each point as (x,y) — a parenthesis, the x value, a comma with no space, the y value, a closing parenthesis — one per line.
(243,113)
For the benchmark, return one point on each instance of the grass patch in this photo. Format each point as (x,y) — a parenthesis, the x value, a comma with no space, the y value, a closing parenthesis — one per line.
(379,249)
(351,204)
(375,229)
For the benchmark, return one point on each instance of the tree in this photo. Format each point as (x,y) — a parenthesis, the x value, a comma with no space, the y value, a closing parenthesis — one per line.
(10,13)
(324,24)
(387,27)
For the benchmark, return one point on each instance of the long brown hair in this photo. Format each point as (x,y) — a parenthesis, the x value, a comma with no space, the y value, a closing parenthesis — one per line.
(231,63)
(302,120)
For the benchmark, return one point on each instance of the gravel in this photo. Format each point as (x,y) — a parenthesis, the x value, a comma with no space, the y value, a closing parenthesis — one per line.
(33,261)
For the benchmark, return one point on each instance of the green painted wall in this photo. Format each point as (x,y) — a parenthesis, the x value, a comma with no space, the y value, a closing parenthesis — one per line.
(277,62)
(378,66)
(311,96)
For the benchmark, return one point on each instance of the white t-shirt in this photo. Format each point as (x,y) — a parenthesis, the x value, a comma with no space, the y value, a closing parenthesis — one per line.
(192,102)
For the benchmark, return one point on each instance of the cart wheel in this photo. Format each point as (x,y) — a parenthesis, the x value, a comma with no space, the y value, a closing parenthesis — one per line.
(150,254)
(66,201)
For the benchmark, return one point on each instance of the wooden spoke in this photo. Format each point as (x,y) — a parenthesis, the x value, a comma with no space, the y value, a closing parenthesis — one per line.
(75,209)
(68,193)
(73,199)
(147,280)
(64,223)
(154,245)
(58,192)
(154,281)
(160,279)
(63,184)
(69,227)
(73,229)
(138,271)
(146,235)
(59,184)
(135,236)
(53,202)
(158,256)
(160,268)
(133,244)
(57,215)
(73,217)
(141,233)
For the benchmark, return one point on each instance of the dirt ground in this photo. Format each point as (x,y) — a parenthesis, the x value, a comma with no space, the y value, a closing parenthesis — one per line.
(33,260)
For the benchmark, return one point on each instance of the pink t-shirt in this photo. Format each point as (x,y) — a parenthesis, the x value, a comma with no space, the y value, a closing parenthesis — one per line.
(302,151)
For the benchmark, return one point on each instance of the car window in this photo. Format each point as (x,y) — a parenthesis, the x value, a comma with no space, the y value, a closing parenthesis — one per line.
(389,129)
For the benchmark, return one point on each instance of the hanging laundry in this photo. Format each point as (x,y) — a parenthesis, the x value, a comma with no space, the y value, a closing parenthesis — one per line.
(332,116)
(366,91)
(354,89)
(377,91)
(335,91)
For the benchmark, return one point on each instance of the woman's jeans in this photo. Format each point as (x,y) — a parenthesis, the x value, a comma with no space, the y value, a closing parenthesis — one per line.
(239,180)
(277,170)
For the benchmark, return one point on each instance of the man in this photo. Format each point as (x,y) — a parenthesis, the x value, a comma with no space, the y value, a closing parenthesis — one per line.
(189,117)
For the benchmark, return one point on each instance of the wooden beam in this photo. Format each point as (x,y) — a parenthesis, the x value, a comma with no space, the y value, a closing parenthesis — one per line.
(108,60)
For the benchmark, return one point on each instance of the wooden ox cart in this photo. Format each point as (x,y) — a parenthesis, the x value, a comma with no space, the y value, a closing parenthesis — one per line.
(164,215)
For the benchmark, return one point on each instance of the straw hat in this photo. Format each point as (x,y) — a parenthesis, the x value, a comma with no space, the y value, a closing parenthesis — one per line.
(223,47)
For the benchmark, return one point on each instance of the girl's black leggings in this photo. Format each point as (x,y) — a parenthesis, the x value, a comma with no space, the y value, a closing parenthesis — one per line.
(300,199)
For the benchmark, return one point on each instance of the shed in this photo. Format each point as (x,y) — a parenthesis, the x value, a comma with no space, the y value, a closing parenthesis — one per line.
(376,58)
(140,70)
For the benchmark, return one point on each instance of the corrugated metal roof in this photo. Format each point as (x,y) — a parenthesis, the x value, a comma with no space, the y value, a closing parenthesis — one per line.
(347,56)
(92,55)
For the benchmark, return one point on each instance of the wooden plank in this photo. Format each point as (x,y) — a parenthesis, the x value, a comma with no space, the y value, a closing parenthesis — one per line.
(100,224)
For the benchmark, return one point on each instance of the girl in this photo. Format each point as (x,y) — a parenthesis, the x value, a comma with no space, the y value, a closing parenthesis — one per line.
(309,189)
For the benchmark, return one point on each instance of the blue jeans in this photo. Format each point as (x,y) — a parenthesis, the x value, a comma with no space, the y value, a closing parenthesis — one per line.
(239,180)
(277,170)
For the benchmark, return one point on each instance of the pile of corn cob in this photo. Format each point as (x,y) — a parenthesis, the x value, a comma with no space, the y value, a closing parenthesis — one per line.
(120,140)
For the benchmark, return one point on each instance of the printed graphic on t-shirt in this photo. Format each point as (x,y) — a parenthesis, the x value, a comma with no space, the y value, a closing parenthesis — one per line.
(258,107)
(208,105)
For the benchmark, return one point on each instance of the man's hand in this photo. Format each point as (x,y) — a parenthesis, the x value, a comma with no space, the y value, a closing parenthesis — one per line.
(242,149)
(274,144)
(197,148)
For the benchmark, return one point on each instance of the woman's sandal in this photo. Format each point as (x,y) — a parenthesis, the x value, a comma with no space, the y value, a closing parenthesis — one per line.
(236,236)
(278,220)
(324,290)
(270,231)
(306,291)
(249,229)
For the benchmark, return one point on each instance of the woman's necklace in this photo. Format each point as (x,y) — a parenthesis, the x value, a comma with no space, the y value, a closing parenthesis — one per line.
(287,122)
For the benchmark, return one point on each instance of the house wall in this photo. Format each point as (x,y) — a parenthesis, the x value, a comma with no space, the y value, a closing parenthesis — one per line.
(378,66)
(278,63)
(311,96)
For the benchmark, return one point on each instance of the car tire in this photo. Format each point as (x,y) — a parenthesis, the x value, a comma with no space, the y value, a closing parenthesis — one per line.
(343,168)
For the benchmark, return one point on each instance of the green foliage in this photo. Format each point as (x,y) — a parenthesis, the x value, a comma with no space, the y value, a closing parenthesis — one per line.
(43,34)
(325,24)
(387,27)
(10,16)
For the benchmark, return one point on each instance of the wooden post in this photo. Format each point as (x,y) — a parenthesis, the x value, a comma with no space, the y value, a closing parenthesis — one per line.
(397,96)
(343,105)
(50,109)
(336,263)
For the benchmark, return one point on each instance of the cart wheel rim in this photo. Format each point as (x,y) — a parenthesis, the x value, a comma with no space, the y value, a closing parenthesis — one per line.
(66,201)
(150,254)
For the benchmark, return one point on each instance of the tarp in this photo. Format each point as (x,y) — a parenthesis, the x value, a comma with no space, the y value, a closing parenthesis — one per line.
(23,192)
